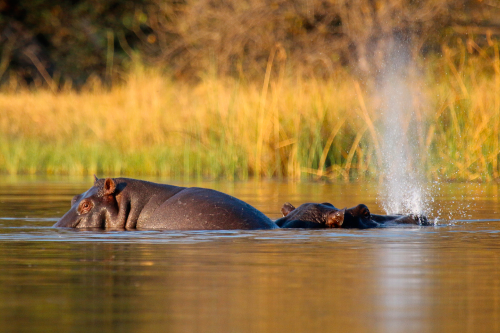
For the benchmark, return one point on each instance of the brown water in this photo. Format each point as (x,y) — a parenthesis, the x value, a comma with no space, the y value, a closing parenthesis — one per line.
(444,278)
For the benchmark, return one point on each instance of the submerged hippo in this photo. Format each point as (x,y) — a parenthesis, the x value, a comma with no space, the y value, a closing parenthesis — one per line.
(122,203)
(325,215)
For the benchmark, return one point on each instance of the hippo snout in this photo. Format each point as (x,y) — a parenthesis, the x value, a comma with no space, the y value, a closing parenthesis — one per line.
(69,220)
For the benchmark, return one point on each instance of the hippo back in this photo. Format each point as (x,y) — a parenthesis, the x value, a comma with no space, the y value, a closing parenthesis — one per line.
(197,208)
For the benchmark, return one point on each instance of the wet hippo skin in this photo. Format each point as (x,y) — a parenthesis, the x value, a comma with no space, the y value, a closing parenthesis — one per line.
(122,203)
(325,215)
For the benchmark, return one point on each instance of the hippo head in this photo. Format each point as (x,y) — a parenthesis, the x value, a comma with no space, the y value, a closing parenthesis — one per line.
(94,208)
(325,215)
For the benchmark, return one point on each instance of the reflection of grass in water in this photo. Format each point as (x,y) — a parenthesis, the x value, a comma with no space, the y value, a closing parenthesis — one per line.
(223,128)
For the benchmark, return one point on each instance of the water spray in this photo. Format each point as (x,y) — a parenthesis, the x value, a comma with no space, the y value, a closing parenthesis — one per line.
(403,185)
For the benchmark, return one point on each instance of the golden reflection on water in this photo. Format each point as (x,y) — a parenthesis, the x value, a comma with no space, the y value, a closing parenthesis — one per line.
(420,279)
(355,285)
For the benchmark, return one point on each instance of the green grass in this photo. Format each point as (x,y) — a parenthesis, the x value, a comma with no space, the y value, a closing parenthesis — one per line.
(282,127)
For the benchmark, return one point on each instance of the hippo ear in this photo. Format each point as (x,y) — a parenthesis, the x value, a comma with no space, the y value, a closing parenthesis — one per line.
(364,211)
(95,179)
(335,218)
(287,208)
(109,186)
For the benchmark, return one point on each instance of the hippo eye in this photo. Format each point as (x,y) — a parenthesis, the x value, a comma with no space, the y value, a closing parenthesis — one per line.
(85,206)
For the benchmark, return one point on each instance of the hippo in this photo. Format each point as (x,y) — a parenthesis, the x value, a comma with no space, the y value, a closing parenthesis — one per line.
(325,215)
(127,204)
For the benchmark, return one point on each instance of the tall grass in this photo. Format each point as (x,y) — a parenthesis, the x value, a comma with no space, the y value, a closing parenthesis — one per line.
(284,126)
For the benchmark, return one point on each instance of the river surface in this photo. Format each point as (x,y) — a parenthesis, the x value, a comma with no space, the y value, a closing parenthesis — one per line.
(443,278)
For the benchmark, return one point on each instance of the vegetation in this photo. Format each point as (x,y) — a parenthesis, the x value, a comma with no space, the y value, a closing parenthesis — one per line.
(238,89)
(286,126)
(67,42)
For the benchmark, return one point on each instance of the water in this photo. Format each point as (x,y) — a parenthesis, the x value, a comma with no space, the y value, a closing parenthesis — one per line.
(404,191)
(443,278)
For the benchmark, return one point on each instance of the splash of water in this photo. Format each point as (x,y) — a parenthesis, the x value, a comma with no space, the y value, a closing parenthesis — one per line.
(404,190)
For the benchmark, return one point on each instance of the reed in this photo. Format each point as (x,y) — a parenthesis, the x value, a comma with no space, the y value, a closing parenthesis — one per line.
(284,126)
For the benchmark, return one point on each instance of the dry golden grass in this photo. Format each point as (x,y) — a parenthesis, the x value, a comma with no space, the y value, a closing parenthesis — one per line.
(283,126)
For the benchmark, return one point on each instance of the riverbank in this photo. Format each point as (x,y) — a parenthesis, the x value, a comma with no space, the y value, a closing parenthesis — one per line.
(284,126)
